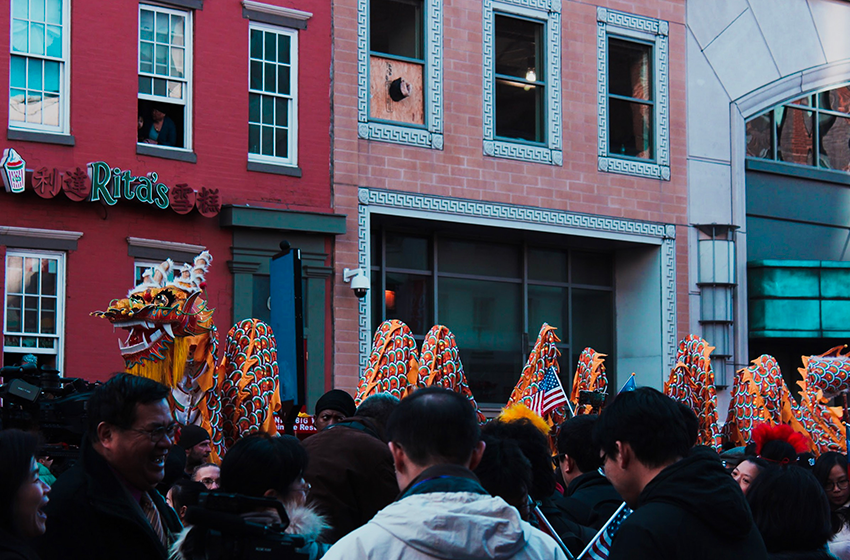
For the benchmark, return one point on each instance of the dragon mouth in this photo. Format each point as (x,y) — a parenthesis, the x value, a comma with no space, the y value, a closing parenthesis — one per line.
(142,335)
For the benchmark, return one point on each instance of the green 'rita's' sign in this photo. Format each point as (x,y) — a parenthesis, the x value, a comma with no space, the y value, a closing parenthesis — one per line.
(112,184)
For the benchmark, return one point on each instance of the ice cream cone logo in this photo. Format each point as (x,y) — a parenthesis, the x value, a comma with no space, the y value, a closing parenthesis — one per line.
(14,171)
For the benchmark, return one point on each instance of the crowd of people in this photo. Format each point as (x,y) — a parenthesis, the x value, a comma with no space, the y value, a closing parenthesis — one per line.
(420,478)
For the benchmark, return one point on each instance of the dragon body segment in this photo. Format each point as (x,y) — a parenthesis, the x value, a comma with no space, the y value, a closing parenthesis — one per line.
(825,377)
(440,365)
(691,382)
(544,355)
(172,339)
(393,365)
(589,376)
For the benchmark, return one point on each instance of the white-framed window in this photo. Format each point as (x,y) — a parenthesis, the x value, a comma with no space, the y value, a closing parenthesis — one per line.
(39,65)
(141,266)
(632,95)
(34,307)
(522,81)
(272,94)
(165,77)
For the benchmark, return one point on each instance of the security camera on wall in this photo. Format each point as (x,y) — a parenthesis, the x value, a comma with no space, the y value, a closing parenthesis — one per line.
(358,279)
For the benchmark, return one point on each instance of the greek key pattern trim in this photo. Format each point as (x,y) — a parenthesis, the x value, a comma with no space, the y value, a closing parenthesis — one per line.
(363,317)
(550,11)
(396,134)
(462,207)
(400,134)
(668,282)
(499,211)
(607,22)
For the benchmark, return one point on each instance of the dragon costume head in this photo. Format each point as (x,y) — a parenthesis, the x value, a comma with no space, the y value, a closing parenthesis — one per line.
(168,323)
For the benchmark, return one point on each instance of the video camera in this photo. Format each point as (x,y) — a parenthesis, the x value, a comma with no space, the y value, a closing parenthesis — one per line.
(595,399)
(219,532)
(37,398)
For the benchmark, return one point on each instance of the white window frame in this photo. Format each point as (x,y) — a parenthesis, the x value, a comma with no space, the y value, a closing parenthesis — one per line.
(548,13)
(61,281)
(64,75)
(292,159)
(188,64)
(639,29)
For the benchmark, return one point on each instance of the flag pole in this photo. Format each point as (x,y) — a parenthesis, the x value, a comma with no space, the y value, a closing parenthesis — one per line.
(601,531)
(549,529)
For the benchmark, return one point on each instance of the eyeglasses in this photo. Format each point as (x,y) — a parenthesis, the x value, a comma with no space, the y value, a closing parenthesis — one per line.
(171,430)
(556,459)
(841,485)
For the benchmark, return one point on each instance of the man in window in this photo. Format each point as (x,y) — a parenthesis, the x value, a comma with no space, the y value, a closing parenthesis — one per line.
(106,506)
(159,129)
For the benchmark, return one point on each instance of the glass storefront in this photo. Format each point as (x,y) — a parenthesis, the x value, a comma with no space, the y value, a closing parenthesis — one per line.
(494,292)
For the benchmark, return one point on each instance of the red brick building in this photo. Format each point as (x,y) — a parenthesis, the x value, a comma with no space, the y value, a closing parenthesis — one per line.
(506,163)
(220,98)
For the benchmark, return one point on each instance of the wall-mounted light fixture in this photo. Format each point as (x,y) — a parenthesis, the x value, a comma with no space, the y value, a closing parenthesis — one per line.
(716,281)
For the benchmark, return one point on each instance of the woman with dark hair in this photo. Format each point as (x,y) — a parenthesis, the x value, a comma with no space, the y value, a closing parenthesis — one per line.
(831,472)
(791,512)
(264,466)
(748,470)
(22,495)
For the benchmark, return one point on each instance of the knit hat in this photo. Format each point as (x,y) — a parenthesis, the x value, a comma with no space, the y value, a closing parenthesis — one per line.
(192,435)
(338,400)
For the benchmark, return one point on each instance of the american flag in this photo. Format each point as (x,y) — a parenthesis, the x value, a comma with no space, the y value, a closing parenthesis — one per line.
(549,396)
(600,546)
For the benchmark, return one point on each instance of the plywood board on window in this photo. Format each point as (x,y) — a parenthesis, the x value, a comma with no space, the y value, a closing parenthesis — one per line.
(383,72)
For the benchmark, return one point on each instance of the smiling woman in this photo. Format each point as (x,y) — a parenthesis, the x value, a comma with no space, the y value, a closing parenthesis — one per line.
(22,494)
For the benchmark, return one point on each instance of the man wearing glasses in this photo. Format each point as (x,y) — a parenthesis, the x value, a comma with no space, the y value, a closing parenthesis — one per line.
(106,506)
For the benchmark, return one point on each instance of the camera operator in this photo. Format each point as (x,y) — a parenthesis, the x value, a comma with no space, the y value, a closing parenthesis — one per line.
(264,466)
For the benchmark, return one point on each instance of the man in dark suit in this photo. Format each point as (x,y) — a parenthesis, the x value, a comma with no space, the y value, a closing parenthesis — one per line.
(106,505)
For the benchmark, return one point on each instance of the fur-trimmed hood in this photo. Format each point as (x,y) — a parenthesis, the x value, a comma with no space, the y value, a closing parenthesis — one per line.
(304,520)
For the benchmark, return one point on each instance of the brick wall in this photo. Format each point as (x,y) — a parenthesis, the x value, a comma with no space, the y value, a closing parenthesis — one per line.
(461,170)
(104,112)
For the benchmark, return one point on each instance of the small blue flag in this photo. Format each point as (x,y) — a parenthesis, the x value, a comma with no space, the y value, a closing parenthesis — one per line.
(629,385)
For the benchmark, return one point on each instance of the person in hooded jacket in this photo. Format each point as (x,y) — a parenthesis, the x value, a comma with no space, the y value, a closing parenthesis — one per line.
(685,504)
(443,511)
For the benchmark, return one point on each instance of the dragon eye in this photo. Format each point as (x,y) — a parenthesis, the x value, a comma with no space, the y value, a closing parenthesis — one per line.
(162,299)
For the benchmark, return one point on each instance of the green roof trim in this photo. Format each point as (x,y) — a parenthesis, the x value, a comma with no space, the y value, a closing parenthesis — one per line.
(282,220)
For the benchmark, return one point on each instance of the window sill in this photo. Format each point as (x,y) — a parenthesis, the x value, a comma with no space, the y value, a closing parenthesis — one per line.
(634,167)
(290,171)
(41,137)
(166,153)
(797,170)
(412,135)
(523,152)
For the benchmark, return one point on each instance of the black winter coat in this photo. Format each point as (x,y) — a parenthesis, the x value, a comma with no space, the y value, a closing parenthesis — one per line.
(13,548)
(590,500)
(692,509)
(91,515)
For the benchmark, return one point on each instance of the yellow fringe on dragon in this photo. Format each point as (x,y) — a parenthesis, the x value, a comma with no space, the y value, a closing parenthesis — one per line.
(824,377)
(589,376)
(691,382)
(393,365)
(172,340)
(544,355)
(440,365)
